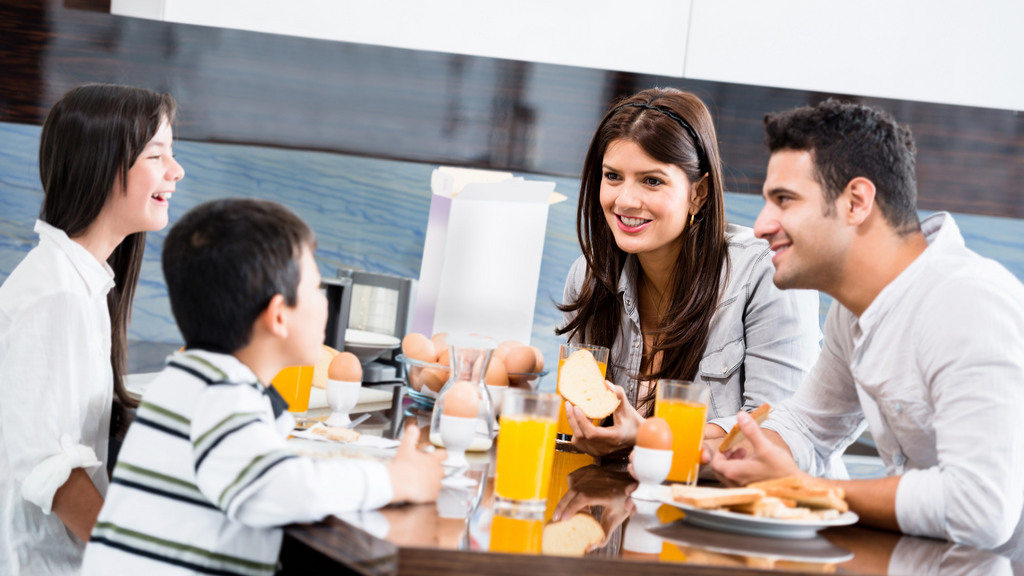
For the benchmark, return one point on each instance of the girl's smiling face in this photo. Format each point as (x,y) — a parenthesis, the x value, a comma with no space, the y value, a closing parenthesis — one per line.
(142,207)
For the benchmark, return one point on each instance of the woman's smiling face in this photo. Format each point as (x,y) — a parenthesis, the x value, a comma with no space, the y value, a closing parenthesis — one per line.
(646,203)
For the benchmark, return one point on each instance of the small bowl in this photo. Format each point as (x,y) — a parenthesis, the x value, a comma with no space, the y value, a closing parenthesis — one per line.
(416,368)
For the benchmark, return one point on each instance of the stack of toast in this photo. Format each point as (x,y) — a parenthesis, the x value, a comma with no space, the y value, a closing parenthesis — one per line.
(792,498)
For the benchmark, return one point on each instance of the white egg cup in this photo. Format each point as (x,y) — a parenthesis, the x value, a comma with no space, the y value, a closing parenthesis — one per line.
(497,395)
(651,468)
(457,434)
(636,537)
(454,502)
(342,397)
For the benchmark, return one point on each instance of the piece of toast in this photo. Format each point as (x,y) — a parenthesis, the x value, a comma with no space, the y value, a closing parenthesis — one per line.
(581,383)
(320,370)
(805,492)
(336,434)
(571,537)
(711,498)
(735,436)
(769,507)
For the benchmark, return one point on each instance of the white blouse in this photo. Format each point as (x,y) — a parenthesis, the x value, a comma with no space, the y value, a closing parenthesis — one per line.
(56,388)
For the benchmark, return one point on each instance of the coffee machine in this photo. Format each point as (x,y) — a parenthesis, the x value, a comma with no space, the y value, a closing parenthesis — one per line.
(368,315)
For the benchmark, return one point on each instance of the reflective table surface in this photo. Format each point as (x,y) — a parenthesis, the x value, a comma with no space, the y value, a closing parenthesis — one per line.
(463,532)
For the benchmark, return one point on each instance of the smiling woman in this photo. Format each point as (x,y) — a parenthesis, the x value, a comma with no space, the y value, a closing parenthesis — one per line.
(107,172)
(667,284)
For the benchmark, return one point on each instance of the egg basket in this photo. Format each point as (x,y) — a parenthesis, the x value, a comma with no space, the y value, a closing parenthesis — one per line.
(412,379)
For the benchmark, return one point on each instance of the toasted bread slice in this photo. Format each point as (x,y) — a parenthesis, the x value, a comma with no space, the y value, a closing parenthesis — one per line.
(711,498)
(571,537)
(735,436)
(769,507)
(337,434)
(580,382)
(804,492)
(320,370)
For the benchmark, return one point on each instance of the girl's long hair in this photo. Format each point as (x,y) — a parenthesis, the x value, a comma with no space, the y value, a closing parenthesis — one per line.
(90,139)
(683,333)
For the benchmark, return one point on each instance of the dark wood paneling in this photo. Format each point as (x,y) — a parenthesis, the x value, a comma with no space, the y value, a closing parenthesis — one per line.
(94,5)
(246,87)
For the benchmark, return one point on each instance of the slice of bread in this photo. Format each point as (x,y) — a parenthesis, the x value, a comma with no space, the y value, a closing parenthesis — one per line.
(336,434)
(735,436)
(320,369)
(572,537)
(581,383)
(805,492)
(770,507)
(711,498)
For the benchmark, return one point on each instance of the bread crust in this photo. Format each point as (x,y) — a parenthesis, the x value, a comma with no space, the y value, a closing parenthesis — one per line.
(735,436)
(711,498)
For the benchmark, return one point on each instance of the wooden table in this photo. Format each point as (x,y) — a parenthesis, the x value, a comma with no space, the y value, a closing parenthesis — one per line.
(453,536)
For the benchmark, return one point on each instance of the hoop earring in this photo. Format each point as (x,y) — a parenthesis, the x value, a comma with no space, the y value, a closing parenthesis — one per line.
(691,219)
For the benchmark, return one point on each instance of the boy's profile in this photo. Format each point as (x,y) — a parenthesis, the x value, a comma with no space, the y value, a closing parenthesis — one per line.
(204,479)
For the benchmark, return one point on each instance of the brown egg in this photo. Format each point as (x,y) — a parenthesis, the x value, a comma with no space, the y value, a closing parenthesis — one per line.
(444,358)
(500,352)
(461,401)
(346,368)
(520,359)
(440,341)
(433,379)
(414,378)
(654,434)
(539,367)
(497,374)
(510,344)
(419,347)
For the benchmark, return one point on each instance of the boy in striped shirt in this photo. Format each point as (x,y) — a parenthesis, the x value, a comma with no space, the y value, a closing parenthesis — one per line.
(204,479)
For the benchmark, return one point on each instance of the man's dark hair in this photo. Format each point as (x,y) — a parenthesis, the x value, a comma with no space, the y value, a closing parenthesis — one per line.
(224,261)
(847,141)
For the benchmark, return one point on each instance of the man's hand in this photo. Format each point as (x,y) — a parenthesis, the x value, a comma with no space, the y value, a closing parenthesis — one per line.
(597,440)
(768,460)
(415,475)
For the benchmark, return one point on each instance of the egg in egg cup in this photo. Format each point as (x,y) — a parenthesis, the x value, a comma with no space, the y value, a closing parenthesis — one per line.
(652,458)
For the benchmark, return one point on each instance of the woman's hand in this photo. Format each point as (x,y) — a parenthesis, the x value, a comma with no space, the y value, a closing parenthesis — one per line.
(597,440)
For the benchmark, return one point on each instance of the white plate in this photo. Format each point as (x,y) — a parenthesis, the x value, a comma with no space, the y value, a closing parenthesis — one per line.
(753,525)
(364,338)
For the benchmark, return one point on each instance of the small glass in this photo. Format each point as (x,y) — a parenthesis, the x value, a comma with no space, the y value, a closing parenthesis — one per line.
(684,405)
(526,448)
(564,351)
(294,385)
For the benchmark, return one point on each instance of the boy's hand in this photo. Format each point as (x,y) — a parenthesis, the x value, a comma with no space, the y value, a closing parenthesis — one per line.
(415,475)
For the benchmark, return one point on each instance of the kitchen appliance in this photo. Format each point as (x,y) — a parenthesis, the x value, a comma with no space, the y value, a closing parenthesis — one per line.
(379,316)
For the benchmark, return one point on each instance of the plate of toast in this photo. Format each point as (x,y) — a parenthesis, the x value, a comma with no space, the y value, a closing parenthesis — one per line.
(793,507)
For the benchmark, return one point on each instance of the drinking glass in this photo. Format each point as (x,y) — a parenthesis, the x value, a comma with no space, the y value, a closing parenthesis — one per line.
(684,405)
(526,447)
(294,385)
(564,351)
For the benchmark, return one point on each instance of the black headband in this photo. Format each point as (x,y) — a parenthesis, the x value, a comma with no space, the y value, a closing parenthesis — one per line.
(693,134)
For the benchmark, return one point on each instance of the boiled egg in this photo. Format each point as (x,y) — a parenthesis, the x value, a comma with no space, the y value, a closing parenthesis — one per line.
(539,367)
(520,360)
(345,367)
(461,401)
(440,341)
(497,374)
(433,379)
(419,347)
(654,434)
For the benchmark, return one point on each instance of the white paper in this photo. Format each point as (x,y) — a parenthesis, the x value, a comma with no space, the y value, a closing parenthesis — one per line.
(364,439)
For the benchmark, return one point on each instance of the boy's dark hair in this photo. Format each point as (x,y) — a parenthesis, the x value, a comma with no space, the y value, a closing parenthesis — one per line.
(846,141)
(224,261)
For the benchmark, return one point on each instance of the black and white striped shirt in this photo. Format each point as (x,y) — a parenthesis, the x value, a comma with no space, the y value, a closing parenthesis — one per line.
(204,479)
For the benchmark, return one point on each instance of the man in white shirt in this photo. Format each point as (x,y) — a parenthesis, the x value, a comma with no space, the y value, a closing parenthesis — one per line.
(924,343)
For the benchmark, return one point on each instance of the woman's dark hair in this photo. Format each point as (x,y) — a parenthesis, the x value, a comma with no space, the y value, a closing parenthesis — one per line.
(90,139)
(848,140)
(647,119)
(224,261)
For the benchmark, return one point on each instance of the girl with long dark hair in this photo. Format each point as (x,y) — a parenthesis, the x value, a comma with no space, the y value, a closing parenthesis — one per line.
(664,282)
(107,172)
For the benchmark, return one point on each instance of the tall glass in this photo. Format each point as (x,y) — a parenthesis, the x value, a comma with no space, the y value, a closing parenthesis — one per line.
(564,351)
(515,533)
(294,385)
(684,405)
(526,448)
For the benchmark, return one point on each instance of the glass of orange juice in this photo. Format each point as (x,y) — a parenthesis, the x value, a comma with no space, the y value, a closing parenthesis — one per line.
(519,534)
(684,405)
(294,384)
(526,448)
(564,351)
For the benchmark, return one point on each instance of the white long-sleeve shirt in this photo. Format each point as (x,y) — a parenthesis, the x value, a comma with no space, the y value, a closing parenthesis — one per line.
(935,367)
(204,480)
(56,388)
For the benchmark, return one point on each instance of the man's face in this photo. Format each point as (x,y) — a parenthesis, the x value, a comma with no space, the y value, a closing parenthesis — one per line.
(307,321)
(808,243)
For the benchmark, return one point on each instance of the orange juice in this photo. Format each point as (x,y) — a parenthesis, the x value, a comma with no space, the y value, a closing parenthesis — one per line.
(563,420)
(564,463)
(686,419)
(526,447)
(294,384)
(515,534)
